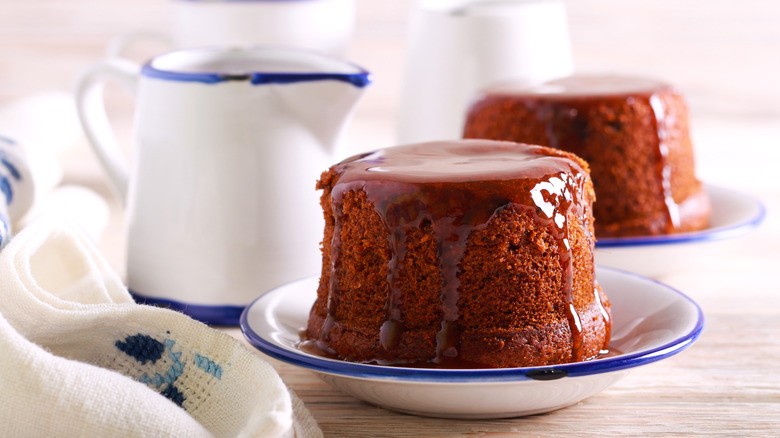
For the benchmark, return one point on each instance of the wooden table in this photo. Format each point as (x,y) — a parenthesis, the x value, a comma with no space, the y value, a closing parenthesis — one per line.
(725,58)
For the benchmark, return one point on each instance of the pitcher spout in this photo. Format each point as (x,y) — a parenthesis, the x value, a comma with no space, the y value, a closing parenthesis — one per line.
(323,103)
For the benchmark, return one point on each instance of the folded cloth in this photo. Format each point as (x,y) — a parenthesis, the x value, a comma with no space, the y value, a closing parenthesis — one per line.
(79,358)
(76,205)
(47,124)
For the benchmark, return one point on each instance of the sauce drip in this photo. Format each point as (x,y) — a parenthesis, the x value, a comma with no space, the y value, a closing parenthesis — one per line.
(453,189)
(664,169)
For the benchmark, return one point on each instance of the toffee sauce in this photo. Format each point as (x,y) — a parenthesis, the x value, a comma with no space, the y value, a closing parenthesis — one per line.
(457,188)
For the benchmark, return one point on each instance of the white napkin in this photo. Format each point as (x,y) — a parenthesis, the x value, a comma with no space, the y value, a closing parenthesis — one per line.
(76,205)
(79,358)
(34,130)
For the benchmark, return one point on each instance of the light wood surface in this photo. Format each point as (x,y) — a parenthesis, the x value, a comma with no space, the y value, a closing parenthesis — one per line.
(724,55)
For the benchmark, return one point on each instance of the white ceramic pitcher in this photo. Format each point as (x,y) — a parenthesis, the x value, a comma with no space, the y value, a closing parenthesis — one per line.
(221,200)
(456,47)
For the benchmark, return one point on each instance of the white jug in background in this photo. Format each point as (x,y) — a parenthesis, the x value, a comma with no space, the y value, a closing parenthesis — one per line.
(454,49)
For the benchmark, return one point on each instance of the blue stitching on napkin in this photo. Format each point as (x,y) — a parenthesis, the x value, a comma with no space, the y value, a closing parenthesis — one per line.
(145,348)
(173,394)
(170,376)
(8,191)
(5,232)
(208,366)
(141,347)
(11,169)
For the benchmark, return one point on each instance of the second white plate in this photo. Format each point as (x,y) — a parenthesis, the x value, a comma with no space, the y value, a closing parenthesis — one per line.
(733,214)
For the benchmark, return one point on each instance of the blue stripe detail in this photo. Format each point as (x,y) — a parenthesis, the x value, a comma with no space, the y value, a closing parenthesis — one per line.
(5,232)
(206,78)
(360,79)
(217,315)
(357,76)
(6,189)
(11,169)
(7,140)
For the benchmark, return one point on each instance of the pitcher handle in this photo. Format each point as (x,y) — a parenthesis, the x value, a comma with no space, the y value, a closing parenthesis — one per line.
(92,114)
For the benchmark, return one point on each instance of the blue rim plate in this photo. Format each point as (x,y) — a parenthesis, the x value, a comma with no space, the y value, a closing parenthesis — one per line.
(651,321)
(733,214)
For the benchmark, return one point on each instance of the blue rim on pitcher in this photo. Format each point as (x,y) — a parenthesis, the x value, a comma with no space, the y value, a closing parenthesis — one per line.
(189,65)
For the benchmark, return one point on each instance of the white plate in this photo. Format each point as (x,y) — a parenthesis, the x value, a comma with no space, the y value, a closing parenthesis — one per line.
(733,215)
(651,321)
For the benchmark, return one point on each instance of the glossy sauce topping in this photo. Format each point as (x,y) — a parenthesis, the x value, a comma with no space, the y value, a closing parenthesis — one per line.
(455,188)
(592,91)
(664,168)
